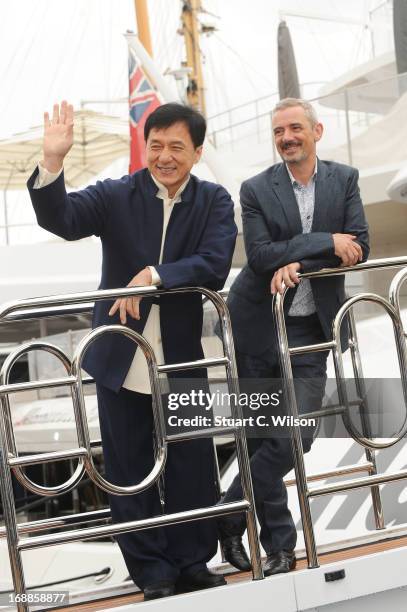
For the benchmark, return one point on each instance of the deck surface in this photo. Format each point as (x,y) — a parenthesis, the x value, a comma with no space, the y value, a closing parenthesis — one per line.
(330,557)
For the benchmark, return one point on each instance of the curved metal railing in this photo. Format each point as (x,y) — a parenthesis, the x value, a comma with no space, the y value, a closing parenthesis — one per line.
(373,480)
(10,461)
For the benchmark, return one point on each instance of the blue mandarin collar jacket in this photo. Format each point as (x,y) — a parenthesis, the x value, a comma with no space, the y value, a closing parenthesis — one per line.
(128,217)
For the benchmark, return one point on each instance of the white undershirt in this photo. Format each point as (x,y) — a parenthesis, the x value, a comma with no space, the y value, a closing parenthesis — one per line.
(137,378)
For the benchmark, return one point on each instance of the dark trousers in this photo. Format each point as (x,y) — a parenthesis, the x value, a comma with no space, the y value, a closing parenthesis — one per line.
(271,458)
(163,553)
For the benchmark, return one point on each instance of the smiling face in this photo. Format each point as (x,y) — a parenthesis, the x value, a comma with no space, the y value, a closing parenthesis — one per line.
(294,135)
(171,155)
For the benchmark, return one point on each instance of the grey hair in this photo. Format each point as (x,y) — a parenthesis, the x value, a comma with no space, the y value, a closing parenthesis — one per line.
(291,102)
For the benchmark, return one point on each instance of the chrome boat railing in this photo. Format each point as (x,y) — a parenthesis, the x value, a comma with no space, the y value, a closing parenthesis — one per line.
(11,462)
(392,307)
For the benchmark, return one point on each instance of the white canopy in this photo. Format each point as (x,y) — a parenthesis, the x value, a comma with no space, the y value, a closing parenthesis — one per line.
(383,142)
(98,141)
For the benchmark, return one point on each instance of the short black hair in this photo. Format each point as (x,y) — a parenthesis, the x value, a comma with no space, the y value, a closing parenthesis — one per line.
(168,114)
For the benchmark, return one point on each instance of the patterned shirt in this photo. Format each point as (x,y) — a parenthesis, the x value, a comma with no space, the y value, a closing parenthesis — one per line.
(303,303)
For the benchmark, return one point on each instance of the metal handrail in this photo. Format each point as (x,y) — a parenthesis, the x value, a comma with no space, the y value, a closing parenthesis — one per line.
(372,264)
(391,307)
(10,460)
(394,291)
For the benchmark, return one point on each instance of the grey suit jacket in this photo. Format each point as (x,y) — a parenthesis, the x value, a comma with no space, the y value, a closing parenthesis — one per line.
(273,238)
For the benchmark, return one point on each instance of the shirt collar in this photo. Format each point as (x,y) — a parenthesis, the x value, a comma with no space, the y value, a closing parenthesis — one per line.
(162,192)
(294,182)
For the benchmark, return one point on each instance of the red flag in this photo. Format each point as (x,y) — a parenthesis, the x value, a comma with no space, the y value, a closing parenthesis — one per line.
(143,100)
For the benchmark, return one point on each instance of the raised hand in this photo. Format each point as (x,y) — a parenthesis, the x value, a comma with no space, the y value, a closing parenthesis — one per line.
(58,136)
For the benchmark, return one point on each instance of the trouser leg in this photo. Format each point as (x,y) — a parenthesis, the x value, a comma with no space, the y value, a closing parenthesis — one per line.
(276,523)
(160,553)
(126,426)
(189,485)
(273,458)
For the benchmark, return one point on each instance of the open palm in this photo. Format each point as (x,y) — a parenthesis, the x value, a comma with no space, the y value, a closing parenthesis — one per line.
(58,132)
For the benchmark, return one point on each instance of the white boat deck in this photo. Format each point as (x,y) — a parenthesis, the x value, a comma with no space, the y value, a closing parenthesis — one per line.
(372,569)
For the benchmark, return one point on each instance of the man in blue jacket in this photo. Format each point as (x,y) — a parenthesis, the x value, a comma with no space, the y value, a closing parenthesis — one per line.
(159,226)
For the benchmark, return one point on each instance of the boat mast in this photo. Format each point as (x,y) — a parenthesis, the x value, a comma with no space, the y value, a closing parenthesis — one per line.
(143,25)
(191,31)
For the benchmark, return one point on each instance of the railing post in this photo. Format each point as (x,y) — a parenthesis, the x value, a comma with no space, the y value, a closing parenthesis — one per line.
(296,441)
(9,512)
(360,387)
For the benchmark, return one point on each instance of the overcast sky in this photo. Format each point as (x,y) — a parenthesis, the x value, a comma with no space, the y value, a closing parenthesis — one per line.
(54,49)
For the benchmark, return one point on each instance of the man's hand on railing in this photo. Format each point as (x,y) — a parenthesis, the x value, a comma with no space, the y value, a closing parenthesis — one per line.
(347,249)
(131,305)
(286,276)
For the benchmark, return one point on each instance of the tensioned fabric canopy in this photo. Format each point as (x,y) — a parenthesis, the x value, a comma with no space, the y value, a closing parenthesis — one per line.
(98,141)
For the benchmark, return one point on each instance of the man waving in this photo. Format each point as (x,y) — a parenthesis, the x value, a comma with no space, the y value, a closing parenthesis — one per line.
(160,226)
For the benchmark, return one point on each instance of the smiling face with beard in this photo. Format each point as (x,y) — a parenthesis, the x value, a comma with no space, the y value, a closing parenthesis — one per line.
(295,136)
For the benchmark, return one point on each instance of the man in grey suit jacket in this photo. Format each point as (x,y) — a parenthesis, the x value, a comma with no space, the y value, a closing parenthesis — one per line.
(298,216)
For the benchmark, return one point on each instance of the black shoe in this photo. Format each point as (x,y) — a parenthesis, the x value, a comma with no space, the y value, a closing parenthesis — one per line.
(163,588)
(202,579)
(279,562)
(235,553)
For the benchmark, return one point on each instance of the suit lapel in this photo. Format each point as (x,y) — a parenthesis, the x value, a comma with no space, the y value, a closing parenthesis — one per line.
(284,191)
(323,197)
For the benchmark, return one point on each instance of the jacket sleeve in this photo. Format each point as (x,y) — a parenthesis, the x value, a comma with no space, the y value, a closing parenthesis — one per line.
(209,265)
(354,223)
(314,265)
(264,255)
(71,216)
